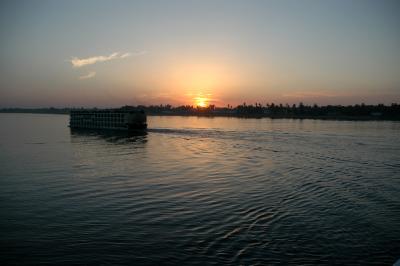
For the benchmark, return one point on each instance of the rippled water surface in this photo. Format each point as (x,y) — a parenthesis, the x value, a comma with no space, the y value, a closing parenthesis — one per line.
(200,191)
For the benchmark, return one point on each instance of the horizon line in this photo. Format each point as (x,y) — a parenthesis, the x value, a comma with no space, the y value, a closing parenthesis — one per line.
(204,107)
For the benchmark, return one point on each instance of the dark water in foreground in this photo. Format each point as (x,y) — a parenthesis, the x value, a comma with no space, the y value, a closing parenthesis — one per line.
(200,191)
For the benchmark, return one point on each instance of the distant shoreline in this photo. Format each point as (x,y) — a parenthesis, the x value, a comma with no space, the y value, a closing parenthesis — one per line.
(66,111)
(343,118)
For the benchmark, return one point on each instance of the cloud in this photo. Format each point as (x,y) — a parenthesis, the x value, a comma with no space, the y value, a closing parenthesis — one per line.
(90,75)
(80,62)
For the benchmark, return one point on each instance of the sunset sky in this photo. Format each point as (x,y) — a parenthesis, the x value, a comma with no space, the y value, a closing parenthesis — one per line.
(113,53)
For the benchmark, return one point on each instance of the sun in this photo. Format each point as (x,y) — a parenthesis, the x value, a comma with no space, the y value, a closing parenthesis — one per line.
(201,101)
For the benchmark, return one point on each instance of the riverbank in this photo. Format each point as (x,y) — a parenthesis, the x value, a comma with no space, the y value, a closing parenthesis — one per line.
(372,117)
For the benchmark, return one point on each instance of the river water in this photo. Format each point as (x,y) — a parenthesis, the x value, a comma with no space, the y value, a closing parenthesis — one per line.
(200,191)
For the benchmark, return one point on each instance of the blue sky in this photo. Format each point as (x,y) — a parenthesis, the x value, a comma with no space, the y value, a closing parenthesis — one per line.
(227,52)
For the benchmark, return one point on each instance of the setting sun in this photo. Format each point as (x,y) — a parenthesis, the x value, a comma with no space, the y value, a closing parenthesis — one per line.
(201,101)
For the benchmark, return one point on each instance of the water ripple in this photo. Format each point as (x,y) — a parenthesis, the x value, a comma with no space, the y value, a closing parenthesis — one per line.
(227,191)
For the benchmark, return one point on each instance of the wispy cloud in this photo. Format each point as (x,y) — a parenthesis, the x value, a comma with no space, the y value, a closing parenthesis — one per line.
(80,62)
(90,75)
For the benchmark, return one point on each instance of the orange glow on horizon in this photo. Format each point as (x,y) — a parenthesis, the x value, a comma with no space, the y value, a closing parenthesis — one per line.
(199,77)
(201,101)
(199,81)
(196,81)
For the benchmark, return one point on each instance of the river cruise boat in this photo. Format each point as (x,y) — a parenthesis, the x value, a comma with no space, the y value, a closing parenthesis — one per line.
(126,119)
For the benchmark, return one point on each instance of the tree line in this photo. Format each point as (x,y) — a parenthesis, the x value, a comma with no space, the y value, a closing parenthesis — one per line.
(358,111)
